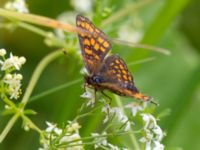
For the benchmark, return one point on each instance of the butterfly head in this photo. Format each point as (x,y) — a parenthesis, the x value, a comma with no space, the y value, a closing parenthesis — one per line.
(94,80)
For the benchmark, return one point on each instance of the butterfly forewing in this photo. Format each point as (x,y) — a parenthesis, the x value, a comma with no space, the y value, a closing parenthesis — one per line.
(94,44)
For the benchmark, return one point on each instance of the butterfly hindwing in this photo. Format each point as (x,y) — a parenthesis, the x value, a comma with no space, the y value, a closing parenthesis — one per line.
(94,44)
(118,79)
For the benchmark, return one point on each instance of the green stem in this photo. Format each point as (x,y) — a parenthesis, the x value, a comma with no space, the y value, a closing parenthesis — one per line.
(132,136)
(53,90)
(36,74)
(33,29)
(9,126)
(32,125)
(126,11)
(39,20)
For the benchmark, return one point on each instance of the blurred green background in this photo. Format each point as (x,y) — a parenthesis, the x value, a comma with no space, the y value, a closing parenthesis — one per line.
(173,81)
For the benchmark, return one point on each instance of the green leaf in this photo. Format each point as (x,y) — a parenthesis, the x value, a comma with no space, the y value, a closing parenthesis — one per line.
(30,112)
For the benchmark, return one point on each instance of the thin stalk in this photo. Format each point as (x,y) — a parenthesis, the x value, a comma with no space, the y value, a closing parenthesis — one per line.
(142,46)
(36,74)
(32,28)
(39,20)
(132,136)
(53,90)
(9,126)
(126,11)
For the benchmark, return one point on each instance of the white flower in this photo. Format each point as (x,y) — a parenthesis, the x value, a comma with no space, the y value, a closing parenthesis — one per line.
(84,71)
(143,140)
(13,61)
(158,146)
(50,127)
(91,98)
(17,5)
(100,140)
(153,132)
(106,109)
(113,147)
(119,115)
(82,5)
(53,128)
(134,108)
(148,146)
(150,121)
(73,127)
(52,132)
(74,137)
(2,52)
(157,130)
(58,131)
(14,84)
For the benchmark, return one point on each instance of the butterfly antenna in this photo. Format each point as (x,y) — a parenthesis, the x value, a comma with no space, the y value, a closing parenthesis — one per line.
(153,102)
(143,46)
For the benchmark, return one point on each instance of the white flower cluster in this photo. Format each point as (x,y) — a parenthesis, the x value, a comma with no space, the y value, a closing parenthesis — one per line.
(118,114)
(11,81)
(153,133)
(100,141)
(14,84)
(69,135)
(12,62)
(17,5)
(135,108)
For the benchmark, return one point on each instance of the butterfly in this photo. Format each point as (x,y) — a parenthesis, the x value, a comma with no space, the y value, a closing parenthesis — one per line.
(104,72)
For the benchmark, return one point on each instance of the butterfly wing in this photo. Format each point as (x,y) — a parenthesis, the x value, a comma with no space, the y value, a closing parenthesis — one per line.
(118,79)
(94,46)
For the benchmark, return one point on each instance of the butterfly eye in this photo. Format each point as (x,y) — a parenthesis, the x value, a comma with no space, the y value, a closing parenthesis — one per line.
(97,79)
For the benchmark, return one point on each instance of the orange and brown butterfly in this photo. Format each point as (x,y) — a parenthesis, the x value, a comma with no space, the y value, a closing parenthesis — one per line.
(104,73)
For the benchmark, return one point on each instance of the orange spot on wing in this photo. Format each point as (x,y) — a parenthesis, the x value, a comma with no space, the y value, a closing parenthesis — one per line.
(119,75)
(130,78)
(121,67)
(116,67)
(87,42)
(87,26)
(82,24)
(91,29)
(124,72)
(125,77)
(102,49)
(89,61)
(92,41)
(106,44)
(97,30)
(117,61)
(88,51)
(96,57)
(100,40)
(96,46)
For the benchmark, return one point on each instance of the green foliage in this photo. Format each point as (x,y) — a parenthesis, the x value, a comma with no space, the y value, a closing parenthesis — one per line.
(172,80)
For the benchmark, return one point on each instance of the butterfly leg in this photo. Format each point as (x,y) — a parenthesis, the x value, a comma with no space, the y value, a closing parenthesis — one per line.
(84,86)
(109,98)
(95,94)
(109,102)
